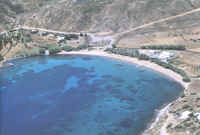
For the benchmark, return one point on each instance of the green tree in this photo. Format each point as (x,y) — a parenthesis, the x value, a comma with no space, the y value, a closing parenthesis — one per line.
(1,57)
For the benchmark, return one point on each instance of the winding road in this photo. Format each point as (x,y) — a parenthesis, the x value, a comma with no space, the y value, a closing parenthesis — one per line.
(116,37)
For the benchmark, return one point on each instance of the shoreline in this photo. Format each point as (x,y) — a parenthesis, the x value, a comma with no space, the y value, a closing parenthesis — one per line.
(9,59)
(159,113)
(168,73)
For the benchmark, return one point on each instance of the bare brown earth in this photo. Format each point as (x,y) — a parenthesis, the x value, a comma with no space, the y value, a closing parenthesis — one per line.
(190,39)
(171,122)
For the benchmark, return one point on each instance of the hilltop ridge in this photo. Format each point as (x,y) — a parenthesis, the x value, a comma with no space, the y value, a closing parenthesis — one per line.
(117,16)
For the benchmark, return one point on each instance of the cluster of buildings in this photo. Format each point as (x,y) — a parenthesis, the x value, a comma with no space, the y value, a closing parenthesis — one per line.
(61,37)
(188,114)
(157,54)
(75,39)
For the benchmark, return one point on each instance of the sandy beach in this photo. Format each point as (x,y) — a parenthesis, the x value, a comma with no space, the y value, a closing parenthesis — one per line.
(148,64)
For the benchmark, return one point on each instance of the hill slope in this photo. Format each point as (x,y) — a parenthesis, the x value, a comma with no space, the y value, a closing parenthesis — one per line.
(107,15)
(8,13)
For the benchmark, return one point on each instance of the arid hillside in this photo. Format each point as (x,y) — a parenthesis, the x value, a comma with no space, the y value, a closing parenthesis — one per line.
(107,15)
(8,13)
(115,16)
(11,9)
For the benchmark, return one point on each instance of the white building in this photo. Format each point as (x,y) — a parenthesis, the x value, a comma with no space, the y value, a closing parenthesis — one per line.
(161,55)
(60,39)
(34,31)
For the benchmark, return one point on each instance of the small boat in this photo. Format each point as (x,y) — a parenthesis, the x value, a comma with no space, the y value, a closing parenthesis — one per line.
(10,64)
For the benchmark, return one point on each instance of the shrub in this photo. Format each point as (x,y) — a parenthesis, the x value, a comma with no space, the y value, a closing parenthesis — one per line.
(81,47)
(185,106)
(71,36)
(164,47)
(27,52)
(54,50)
(27,38)
(124,51)
(135,53)
(143,57)
(67,48)
(1,46)
(186,79)
(42,50)
(114,46)
(173,68)
(1,57)
(169,125)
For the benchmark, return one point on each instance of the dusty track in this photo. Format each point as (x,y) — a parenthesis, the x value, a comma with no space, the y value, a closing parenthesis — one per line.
(118,35)
(47,30)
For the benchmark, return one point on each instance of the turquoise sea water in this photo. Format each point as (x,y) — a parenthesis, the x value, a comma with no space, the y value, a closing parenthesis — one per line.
(80,95)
